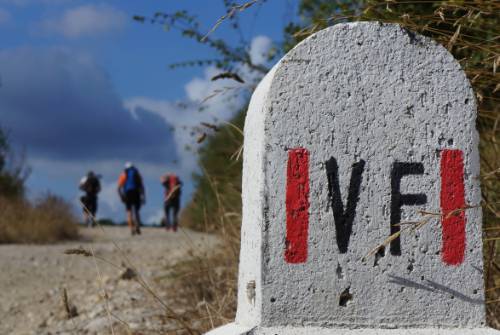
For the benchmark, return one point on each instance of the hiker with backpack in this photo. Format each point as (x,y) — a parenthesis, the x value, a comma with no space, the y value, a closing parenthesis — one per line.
(91,186)
(131,191)
(172,199)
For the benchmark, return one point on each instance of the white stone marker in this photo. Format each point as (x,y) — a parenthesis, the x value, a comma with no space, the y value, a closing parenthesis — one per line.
(355,130)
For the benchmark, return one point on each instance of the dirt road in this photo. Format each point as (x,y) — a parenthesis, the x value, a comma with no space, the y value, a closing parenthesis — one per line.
(33,279)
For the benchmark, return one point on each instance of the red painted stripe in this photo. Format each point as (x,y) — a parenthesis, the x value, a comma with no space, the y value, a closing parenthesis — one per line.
(453,199)
(297,206)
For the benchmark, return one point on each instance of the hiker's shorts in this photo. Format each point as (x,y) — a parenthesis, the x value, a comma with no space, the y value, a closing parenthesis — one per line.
(133,200)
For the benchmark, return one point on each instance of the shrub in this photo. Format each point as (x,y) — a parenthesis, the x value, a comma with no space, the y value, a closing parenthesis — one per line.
(49,219)
(216,203)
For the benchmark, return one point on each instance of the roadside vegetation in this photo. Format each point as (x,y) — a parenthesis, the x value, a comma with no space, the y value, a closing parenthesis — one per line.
(46,220)
(216,203)
(49,219)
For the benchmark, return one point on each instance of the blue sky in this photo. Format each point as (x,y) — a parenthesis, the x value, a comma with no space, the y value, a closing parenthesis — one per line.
(85,87)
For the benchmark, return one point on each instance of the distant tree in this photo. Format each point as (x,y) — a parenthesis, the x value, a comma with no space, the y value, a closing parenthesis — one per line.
(13,173)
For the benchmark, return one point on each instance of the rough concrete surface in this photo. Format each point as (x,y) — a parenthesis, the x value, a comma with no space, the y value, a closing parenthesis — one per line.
(387,118)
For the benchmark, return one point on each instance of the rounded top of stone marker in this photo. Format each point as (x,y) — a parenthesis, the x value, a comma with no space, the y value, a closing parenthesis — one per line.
(371,47)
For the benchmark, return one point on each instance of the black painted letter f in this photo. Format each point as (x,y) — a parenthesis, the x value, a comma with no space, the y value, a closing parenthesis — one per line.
(344,218)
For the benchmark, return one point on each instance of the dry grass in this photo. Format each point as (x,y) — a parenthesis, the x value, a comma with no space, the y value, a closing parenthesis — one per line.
(206,286)
(48,220)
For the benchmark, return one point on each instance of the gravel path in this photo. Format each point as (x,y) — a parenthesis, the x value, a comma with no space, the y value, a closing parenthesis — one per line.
(34,277)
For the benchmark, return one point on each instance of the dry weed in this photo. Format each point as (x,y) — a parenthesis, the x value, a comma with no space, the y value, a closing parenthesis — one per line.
(232,11)
(70,310)
(206,286)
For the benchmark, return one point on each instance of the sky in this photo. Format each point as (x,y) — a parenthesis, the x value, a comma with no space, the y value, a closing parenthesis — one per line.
(84,87)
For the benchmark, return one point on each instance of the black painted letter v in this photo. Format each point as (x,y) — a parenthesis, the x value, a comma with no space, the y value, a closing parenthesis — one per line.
(344,217)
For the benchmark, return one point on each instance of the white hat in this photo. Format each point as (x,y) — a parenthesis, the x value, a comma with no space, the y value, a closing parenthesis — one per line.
(128,165)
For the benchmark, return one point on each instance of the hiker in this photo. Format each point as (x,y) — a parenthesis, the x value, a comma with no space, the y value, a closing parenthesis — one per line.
(91,186)
(172,199)
(131,191)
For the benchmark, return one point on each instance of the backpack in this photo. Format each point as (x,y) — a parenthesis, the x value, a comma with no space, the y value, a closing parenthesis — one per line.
(133,181)
(90,185)
(171,181)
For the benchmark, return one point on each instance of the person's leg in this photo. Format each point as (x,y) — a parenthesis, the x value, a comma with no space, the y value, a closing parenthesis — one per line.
(92,207)
(94,213)
(85,205)
(175,208)
(129,203)
(170,217)
(165,210)
(137,208)
(130,221)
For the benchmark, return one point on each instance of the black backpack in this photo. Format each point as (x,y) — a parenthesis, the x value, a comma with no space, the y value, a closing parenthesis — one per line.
(91,186)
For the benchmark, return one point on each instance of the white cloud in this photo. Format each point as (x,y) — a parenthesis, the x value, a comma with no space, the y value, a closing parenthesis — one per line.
(4,16)
(109,196)
(206,101)
(259,49)
(87,20)
(186,117)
